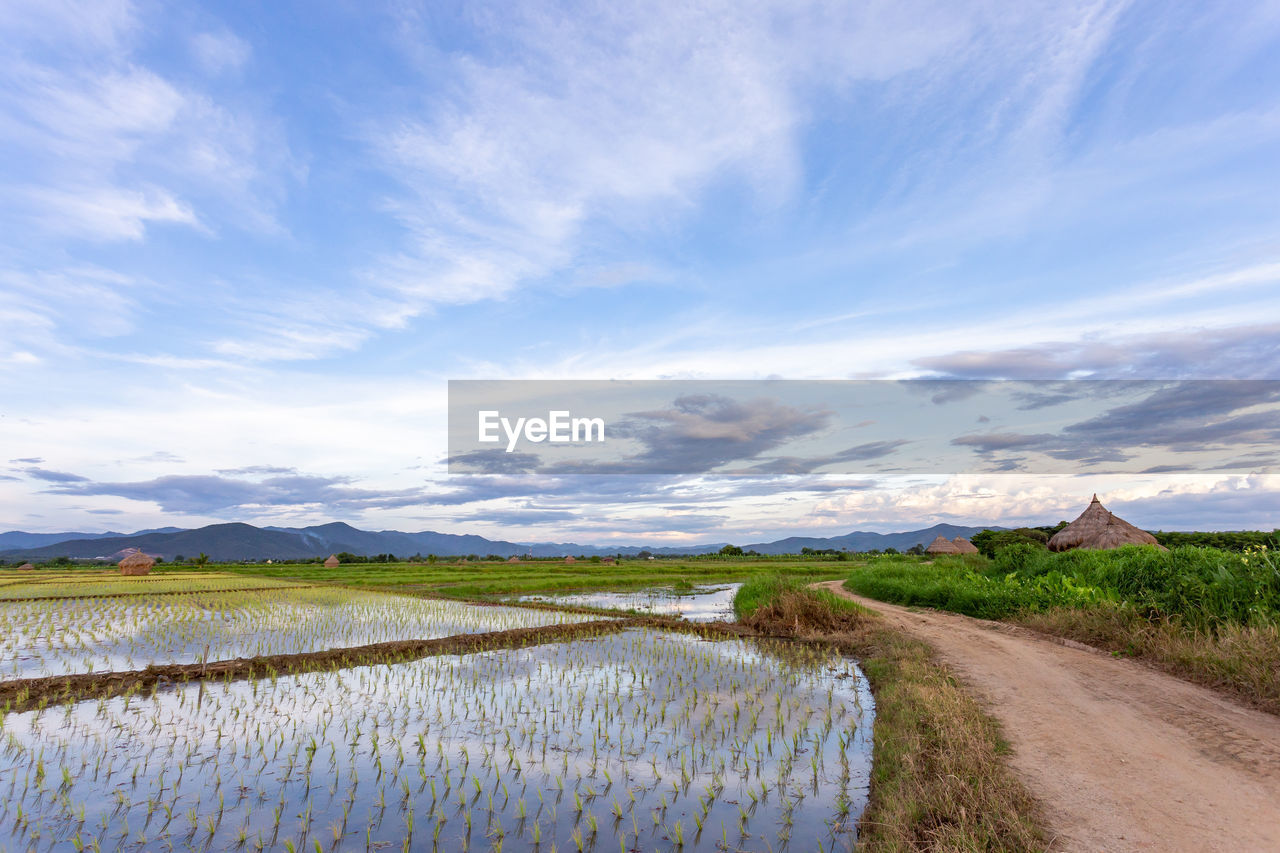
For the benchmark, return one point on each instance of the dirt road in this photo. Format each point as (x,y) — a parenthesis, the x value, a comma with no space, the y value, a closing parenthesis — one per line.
(1122,757)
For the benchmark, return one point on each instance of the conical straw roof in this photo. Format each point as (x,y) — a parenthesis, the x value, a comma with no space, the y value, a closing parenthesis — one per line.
(332,562)
(964,546)
(136,563)
(1098,529)
(941,545)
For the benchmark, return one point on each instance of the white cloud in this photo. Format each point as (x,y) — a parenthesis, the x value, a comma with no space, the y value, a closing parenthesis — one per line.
(220,52)
(608,117)
(99,145)
(107,213)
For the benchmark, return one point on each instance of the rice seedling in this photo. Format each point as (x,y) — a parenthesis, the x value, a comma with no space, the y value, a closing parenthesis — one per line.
(673,731)
(59,637)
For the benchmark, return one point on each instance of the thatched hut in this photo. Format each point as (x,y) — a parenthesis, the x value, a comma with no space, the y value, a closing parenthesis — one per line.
(570,559)
(137,563)
(332,562)
(607,560)
(1098,529)
(26,567)
(941,545)
(513,559)
(964,546)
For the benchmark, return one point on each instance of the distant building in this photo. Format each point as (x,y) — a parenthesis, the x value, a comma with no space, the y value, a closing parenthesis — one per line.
(332,562)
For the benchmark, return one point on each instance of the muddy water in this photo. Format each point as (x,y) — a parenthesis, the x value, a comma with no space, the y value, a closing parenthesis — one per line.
(640,740)
(703,604)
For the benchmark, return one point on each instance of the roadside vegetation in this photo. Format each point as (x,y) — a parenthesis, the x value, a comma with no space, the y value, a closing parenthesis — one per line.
(1208,615)
(940,780)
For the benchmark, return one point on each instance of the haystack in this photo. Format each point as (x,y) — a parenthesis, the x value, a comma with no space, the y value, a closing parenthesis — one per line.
(1098,529)
(332,562)
(136,563)
(964,546)
(26,567)
(513,560)
(570,560)
(941,545)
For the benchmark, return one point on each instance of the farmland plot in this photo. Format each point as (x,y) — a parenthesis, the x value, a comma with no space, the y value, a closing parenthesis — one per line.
(639,740)
(76,635)
(94,583)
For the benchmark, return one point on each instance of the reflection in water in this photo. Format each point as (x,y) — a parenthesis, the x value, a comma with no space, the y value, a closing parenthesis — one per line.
(639,740)
(40,638)
(703,604)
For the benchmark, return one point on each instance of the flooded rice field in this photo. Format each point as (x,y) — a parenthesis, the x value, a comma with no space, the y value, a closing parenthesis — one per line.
(702,604)
(640,740)
(79,635)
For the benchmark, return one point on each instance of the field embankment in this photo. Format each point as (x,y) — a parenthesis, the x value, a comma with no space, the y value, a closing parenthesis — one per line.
(940,778)
(27,693)
(1206,615)
(1123,757)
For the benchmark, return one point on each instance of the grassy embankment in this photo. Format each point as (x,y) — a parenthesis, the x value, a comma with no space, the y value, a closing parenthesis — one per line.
(1206,615)
(481,580)
(939,778)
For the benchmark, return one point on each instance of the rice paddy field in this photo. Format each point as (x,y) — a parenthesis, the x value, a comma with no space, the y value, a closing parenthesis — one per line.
(92,634)
(637,739)
(99,583)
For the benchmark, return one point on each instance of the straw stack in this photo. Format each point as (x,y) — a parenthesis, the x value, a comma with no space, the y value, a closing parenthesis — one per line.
(941,545)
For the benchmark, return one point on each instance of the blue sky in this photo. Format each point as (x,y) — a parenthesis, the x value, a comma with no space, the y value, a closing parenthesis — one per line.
(244,246)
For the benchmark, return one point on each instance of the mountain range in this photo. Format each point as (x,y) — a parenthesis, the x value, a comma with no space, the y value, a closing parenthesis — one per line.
(238,541)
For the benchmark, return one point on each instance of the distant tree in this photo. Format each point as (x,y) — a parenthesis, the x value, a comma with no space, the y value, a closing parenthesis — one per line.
(347,557)
(202,560)
(892,550)
(915,550)
(595,558)
(644,555)
(989,542)
(731,551)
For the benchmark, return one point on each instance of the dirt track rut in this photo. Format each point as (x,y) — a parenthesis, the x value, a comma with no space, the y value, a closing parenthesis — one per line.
(1122,757)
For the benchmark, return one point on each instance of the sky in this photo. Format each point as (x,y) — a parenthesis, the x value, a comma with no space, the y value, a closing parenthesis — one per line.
(245,246)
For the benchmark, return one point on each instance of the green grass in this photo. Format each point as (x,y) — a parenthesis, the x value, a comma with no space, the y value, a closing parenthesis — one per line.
(90,583)
(940,779)
(1202,588)
(1204,614)
(480,580)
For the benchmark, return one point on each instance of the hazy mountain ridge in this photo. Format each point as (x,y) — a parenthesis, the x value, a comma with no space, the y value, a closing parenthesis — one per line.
(239,541)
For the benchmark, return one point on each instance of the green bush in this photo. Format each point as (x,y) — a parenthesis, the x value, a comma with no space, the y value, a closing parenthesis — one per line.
(1204,588)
